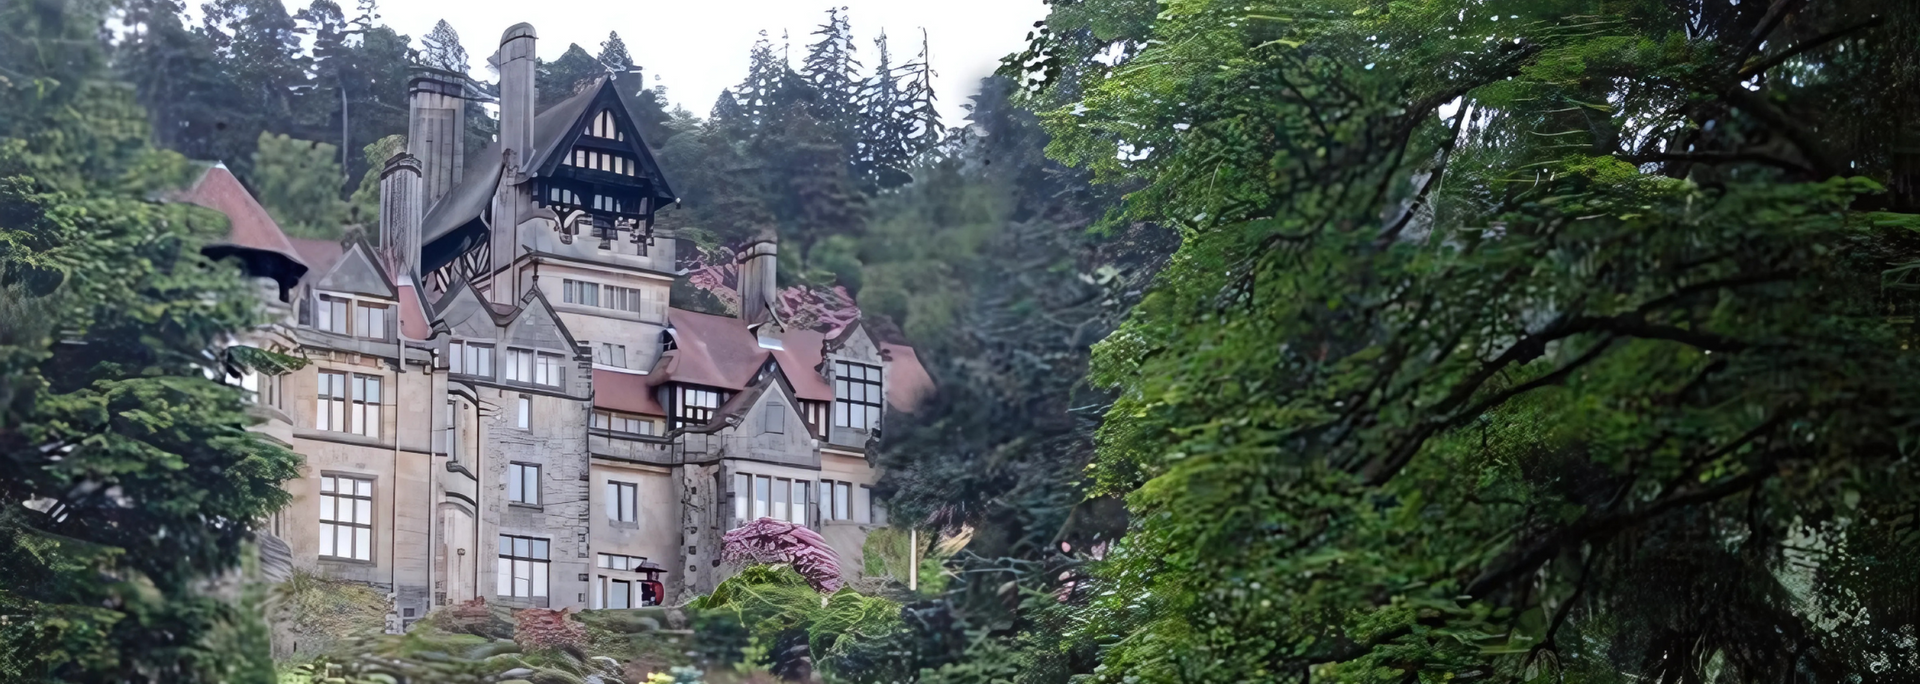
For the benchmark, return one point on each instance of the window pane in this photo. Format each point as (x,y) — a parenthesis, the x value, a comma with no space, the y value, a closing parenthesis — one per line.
(761,487)
(613,501)
(604,562)
(780,491)
(513,483)
(540,549)
(326,539)
(741,483)
(326,484)
(799,502)
(539,579)
(862,501)
(503,584)
(526,412)
(521,546)
(840,495)
(619,597)
(326,508)
(362,543)
(506,545)
(363,511)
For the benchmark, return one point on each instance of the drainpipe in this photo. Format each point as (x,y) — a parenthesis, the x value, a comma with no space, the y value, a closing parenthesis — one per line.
(393,492)
(913,559)
(433,362)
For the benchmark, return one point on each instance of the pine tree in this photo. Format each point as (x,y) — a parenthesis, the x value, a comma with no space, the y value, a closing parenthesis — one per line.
(915,110)
(130,475)
(613,53)
(562,78)
(193,102)
(832,70)
(883,154)
(441,49)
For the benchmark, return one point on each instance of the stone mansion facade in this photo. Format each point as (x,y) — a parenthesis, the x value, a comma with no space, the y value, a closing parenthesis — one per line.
(498,401)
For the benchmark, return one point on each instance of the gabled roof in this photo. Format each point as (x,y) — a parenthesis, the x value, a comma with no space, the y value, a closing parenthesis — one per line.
(715,351)
(907,381)
(252,233)
(569,121)
(413,312)
(628,392)
(453,225)
(800,360)
(356,272)
(319,255)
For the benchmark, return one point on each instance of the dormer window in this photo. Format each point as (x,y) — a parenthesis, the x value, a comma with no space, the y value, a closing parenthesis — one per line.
(694,406)
(856,395)
(528,367)
(370,321)
(467,358)
(330,314)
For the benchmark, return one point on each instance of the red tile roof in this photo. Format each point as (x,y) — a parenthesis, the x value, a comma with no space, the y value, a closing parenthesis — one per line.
(413,320)
(319,255)
(907,381)
(627,392)
(716,351)
(801,361)
(251,227)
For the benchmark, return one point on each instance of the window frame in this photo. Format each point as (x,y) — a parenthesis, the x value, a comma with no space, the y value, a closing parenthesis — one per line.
(623,501)
(518,486)
(325,308)
(365,414)
(465,357)
(358,530)
(363,318)
(863,395)
(692,414)
(538,559)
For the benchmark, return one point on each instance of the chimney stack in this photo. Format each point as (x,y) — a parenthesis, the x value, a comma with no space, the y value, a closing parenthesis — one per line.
(516,61)
(401,205)
(758,293)
(436,130)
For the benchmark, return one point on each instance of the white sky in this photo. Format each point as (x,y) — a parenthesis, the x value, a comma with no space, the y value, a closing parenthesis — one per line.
(697,47)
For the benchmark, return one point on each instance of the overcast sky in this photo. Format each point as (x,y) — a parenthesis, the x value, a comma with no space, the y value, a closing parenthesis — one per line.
(697,47)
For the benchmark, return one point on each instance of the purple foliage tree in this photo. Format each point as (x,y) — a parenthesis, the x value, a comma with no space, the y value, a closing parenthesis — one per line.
(777,541)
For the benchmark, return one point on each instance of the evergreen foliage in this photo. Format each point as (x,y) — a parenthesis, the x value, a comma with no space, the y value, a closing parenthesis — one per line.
(441,49)
(131,475)
(613,53)
(296,181)
(1512,341)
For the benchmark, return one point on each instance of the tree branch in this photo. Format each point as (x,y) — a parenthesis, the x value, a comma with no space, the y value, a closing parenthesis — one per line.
(1761,67)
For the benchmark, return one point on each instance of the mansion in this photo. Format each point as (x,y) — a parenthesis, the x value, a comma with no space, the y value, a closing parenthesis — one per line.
(498,400)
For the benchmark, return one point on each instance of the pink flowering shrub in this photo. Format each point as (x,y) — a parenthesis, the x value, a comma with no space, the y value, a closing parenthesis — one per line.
(826,310)
(777,541)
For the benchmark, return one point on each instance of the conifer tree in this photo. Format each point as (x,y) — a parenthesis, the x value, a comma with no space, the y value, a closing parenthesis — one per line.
(441,49)
(562,78)
(832,70)
(130,476)
(883,156)
(613,53)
